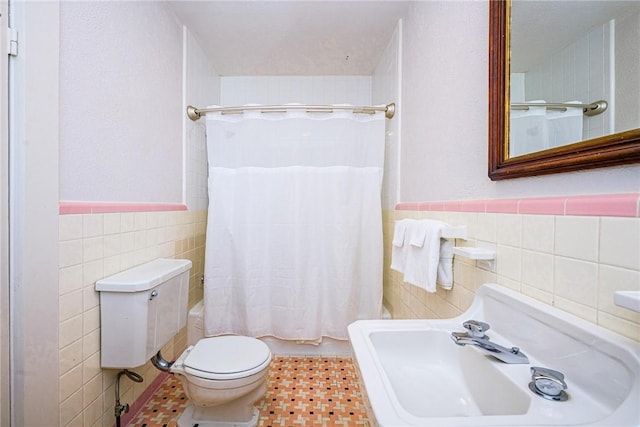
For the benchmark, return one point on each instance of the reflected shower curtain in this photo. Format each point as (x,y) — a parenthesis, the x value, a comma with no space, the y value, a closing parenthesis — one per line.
(294,234)
(539,128)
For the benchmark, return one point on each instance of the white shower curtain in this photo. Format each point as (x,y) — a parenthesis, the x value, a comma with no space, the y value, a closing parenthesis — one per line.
(538,129)
(294,235)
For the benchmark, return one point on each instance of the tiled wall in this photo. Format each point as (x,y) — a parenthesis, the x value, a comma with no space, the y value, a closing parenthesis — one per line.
(275,90)
(579,72)
(574,262)
(93,246)
(202,88)
(386,89)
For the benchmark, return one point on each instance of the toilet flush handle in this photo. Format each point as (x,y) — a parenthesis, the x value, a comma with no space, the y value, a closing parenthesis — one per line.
(154,293)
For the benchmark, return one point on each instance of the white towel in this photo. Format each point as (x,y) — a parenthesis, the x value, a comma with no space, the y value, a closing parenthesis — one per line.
(399,232)
(398,248)
(423,253)
(445,264)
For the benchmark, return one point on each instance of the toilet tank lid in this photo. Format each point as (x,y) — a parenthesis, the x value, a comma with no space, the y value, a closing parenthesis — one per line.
(144,277)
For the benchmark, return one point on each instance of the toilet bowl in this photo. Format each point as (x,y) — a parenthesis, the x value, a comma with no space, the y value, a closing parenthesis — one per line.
(223,377)
(142,308)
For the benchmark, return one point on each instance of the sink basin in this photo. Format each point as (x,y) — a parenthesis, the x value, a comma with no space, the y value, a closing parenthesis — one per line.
(438,378)
(413,374)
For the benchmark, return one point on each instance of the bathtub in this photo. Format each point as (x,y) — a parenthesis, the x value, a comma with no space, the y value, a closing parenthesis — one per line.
(413,374)
(328,346)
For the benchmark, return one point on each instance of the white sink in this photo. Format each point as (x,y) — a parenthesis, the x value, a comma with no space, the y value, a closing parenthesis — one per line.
(438,378)
(413,374)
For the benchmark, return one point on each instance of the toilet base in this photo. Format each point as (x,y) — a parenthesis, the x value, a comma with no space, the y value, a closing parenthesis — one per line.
(194,416)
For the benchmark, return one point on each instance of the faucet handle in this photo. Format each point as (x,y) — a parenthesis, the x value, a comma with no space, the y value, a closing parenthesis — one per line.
(476,328)
(548,383)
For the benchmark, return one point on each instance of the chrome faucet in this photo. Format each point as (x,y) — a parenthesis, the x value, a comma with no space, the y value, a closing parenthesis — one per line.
(475,335)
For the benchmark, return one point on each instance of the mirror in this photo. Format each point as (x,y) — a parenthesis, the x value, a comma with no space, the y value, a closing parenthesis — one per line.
(615,141)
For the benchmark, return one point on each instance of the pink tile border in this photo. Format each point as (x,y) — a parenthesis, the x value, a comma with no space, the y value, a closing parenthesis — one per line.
(475,206)
(502,206)
(623,205)
(613,205)
(67,208)
(542,206)
(408,207)
(433,206)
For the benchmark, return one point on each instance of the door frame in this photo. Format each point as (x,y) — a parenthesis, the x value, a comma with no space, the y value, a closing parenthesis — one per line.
(5,327)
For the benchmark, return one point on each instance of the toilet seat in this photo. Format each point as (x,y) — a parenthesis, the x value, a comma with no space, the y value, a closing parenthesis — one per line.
(227,357)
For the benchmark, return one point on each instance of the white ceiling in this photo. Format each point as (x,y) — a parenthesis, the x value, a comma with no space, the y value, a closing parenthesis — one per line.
(347,37)
(295,37)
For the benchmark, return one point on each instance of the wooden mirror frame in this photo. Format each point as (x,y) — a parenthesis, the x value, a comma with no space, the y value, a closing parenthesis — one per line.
(610,150)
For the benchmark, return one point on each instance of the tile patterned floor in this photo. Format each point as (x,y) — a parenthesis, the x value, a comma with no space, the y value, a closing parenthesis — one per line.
(301,391)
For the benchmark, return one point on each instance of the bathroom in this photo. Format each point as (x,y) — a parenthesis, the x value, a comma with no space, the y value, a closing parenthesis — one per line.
(114,175)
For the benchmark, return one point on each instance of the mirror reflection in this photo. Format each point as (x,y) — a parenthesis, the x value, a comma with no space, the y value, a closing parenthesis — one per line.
(574,72)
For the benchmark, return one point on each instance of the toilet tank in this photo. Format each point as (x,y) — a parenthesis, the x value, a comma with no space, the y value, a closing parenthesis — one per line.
(141,309)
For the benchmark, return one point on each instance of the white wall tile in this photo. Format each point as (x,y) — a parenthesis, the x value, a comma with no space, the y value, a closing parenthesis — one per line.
(91,390)
(274,90)
(621,326)
(111,245)
(509,230)
(91,366)
(91,343)
(385,88)
(90,298)
(620,242)
(112,265)
(92,412)
(612,279)
(70,331)
(140,239)
(576,280)
(127,242)
(127,222)
(92,248)
(70,253)
(582,288)
(111,223)
(538,294)
(575,308)
(577,237)
(140,221)
(90,320)
(70,356)
(509,262)
(71,408)
(92,271)
(70,382)
(93,225)
(70,227)
(79,304)
(538,233)
(486,228)
(537,270)
(70,305)
(70,279)
(577,73)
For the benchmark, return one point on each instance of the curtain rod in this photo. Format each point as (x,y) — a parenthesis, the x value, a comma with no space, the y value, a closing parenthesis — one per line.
(195,113)
(592,109)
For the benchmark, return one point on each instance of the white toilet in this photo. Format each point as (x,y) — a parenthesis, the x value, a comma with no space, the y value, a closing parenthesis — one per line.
(142,308)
